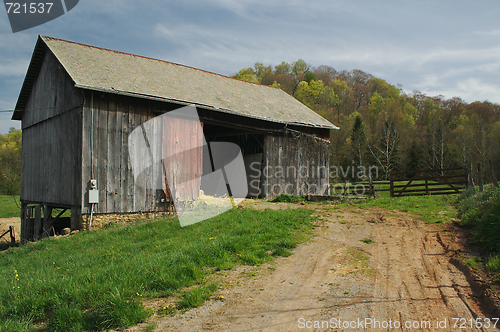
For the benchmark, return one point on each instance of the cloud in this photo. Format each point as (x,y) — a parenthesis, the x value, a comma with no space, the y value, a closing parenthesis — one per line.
(470,89)
(13,67)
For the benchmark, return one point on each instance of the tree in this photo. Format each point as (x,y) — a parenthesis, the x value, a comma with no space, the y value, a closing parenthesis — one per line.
(247,74)
(382,125)
(358,139)
(10,162)
(300,67)
(282,69)
(384,152)
(316,95)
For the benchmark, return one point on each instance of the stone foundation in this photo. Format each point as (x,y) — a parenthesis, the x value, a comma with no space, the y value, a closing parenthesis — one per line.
(101,220)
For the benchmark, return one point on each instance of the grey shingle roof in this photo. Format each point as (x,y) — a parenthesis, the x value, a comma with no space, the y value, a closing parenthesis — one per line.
(100,69)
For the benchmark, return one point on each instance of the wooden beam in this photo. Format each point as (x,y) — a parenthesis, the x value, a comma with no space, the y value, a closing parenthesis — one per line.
(38,222)
(23,222)
(47,220)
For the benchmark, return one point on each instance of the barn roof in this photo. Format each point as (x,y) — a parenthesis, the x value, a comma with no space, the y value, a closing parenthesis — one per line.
(99,69)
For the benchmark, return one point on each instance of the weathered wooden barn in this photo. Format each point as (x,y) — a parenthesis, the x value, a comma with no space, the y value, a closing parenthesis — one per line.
(79,103)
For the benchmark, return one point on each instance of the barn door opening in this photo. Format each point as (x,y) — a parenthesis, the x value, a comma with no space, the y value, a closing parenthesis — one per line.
(182,155)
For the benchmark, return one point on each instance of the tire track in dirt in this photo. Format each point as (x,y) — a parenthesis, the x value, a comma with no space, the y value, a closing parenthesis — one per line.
(404,276)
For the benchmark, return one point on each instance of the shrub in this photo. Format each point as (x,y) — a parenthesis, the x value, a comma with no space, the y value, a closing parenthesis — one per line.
(481,211)
(285,198)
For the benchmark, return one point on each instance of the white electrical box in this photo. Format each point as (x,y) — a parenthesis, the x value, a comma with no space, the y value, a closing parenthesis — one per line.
(93,196)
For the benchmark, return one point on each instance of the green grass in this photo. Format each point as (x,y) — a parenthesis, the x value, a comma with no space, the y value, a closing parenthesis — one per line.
(196,297)
(433,209)
(474,262)
(8,208)
(98,280)
(285,198)
(367,241)
(493,264)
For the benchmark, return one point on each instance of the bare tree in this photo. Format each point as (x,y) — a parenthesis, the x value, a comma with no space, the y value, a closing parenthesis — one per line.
(385,154)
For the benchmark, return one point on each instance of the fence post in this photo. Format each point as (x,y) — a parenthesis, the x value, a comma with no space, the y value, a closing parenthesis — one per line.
(12,235)
(372,190)
(426,184)
(480,177)
(391,179)
(493,176)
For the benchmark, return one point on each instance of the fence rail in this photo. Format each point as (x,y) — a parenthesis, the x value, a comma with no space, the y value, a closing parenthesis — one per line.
(365,188)
(432,182)
(410,183)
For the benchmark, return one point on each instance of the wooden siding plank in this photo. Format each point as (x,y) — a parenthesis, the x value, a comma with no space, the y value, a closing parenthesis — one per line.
(102,153)
(139,195)
(113,157)
(295,160)
(129,174)
(149,201)
(123,109)
(86,153)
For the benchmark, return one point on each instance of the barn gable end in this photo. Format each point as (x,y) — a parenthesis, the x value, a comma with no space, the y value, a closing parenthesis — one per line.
(52,133)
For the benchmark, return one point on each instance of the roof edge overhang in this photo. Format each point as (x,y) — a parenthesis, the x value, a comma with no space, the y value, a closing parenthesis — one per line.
(208,107)
(31,75)
(38,56)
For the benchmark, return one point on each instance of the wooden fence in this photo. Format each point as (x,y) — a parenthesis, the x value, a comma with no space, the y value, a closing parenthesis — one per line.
(429,182)
(365,188)
(12,235)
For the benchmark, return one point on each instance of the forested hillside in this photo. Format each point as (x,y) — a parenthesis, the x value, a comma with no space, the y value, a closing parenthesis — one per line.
(10,162)
(383,126)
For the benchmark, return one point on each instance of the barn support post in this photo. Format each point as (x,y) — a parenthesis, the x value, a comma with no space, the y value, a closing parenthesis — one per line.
(76,218)
(24,208)
(37,226)
(29,222)
(47,220)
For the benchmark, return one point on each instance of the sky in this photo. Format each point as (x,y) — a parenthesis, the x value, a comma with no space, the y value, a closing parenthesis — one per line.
(445,47)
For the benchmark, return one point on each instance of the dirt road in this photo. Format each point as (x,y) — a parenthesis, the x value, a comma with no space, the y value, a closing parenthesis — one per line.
(364,270)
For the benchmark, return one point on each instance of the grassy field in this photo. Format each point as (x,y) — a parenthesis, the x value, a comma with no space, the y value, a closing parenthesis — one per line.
(8,207)
(98,280)
(433,209)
